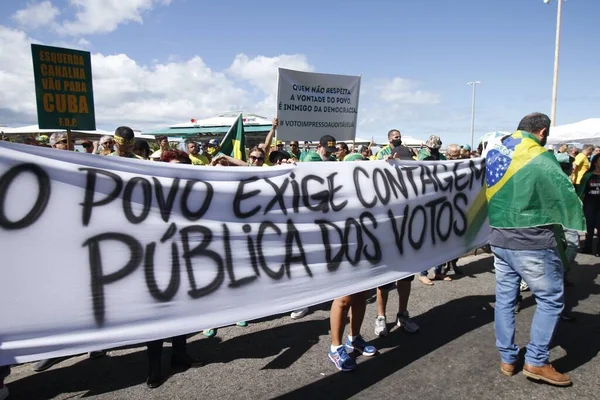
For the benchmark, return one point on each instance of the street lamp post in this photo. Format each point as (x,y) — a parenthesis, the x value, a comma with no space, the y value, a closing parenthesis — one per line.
(474,84)
(556,53)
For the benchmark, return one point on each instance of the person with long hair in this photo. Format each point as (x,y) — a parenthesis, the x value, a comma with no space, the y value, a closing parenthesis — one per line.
(589,192)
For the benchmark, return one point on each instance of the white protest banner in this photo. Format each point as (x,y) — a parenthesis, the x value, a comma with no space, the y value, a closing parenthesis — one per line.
(310,105)
(99,252)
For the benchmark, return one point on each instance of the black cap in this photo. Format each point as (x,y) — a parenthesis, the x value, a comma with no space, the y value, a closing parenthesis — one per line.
(277,155)
(328,142)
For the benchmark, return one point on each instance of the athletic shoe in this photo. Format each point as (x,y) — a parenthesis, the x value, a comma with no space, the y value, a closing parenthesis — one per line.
(405,321)
(342,360)
(523,287)
(359,344)
(380,326)
(209,332)
(299,313)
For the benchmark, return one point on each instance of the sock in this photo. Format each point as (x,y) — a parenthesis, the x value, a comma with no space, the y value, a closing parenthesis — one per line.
(351,338)
(333,348)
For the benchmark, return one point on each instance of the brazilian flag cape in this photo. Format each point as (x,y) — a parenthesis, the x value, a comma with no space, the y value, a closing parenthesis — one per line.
(527,188)
(234,142)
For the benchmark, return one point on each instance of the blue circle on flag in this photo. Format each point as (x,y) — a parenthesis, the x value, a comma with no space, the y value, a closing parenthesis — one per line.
(496,166)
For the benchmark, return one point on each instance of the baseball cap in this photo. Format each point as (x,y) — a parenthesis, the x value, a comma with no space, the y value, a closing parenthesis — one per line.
(278,155)
(467,147)
(213,142)
(278,143)
(434,142)
(328,142)
(57,137)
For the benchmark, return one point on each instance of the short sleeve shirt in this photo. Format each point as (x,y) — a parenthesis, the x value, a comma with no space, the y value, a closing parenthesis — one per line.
(583,165)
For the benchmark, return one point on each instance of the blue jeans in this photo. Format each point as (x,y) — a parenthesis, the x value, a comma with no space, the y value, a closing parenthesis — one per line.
(572,238)
(543,271)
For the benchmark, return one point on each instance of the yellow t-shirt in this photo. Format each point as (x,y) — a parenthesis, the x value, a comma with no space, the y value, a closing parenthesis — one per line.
(199,159)
(582,164)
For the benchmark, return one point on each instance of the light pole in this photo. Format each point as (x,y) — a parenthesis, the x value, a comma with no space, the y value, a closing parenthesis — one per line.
(556,53)
(474,84)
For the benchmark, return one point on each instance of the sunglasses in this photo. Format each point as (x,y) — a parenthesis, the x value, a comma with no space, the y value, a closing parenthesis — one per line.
(257,158)
(293,145)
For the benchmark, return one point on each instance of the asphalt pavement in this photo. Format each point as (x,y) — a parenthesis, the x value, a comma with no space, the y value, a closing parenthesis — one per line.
(453,356)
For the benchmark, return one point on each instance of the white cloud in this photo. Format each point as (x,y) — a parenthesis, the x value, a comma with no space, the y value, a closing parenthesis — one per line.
(36,15)
(146,96)
(104,16)
(261,73)
(405,91)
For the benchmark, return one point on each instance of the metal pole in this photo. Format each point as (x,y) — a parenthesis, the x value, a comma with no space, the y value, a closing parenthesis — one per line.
(474,84)
(556,53)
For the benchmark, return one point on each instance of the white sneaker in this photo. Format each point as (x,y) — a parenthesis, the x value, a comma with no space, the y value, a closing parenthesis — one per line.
(299,313)
(4,392)
(380,326)
(404,321)
(523,287)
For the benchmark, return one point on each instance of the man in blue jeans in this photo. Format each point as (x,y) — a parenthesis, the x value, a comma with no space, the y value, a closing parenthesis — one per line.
(530,203)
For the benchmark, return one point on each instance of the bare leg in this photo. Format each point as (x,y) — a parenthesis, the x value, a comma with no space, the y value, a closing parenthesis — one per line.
(382,298)
(358,308)
(403,295)
(337,318)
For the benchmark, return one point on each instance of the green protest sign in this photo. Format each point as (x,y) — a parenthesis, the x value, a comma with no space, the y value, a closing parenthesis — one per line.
(63,88)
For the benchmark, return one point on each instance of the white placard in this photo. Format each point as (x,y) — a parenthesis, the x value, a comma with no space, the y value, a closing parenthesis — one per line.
(310,105)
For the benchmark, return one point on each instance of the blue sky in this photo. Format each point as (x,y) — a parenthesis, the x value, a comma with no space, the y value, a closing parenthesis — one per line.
(422,52)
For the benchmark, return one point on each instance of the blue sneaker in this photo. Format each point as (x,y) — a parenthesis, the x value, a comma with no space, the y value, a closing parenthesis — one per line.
(342,360)
(361,346)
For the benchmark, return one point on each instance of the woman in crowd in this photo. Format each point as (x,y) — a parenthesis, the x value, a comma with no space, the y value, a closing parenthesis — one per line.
(589,192)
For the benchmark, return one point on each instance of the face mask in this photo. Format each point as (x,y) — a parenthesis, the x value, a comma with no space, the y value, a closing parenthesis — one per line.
(211,150)
(396,142)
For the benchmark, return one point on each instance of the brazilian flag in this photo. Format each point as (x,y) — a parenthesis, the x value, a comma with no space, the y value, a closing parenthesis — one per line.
(234,142)
(527,188)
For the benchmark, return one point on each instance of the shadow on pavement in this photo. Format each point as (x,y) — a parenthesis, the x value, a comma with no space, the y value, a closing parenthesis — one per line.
(454,319)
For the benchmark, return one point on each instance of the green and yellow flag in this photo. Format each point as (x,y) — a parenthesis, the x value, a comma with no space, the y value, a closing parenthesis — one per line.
(526,186)
(234,142)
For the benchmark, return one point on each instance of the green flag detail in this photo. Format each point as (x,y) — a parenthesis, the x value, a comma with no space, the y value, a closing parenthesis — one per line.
(234,142)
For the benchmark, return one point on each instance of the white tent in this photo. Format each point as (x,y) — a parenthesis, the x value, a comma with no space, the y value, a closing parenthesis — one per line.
(226,119)
(586,131)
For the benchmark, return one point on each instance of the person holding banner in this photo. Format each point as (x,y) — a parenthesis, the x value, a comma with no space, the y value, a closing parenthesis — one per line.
(356,303)
(404,286)
(125,143)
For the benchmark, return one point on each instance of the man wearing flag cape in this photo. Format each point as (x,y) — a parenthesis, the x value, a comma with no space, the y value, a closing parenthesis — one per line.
(530,203)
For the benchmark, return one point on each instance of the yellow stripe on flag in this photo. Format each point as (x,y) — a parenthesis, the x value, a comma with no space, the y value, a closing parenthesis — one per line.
(524,152)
